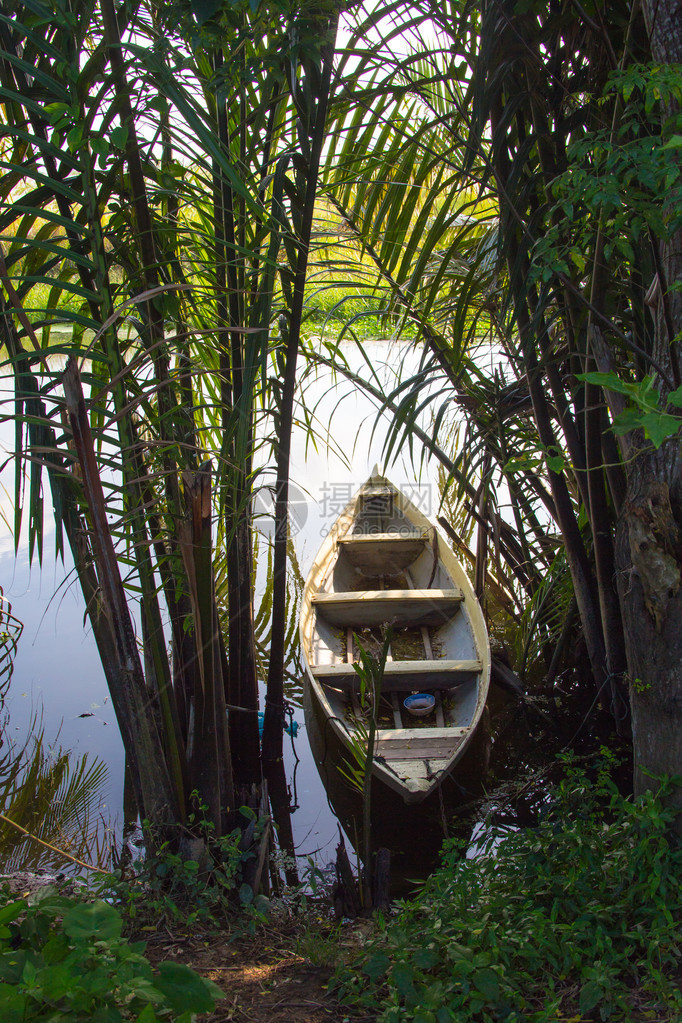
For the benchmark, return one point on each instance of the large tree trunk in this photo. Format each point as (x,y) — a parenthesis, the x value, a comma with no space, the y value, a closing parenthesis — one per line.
(650,526)
(650,559)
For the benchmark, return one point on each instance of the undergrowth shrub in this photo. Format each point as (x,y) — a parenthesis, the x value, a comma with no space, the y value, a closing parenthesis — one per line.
(169,887)
(66,961)
(577,919)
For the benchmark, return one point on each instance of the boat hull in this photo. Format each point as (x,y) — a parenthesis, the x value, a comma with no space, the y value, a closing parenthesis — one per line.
(384,564)
(412,832)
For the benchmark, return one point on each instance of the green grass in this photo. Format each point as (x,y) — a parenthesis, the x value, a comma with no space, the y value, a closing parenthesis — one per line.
(328,311)
(331,308)
(577,919)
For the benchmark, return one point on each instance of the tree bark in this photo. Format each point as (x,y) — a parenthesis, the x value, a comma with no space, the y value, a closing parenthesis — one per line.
(650,553)
(312,115)
(649,546)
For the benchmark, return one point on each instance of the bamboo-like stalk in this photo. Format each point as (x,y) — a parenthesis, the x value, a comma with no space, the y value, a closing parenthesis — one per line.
(581,573)
(312,99)
(481,562)
(229,214)
(130,696)
(210,766)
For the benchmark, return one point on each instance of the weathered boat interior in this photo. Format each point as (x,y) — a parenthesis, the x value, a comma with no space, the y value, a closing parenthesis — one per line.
(388,570)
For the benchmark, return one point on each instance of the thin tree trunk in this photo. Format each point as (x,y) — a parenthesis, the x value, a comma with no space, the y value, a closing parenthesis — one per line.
(649,555)
(576,555)
(317,89)
(481,564)
(209,760)
(237,415)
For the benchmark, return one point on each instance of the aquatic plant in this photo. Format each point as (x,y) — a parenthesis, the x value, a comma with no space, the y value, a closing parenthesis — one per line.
(370,671)
(46,791)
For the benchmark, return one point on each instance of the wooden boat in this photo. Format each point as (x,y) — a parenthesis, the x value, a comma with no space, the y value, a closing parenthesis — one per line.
(384,564)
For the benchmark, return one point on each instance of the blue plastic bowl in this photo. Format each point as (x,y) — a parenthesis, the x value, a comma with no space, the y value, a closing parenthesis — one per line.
(419,704)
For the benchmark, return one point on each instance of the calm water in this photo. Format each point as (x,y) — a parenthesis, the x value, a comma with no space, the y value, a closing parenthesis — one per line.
(57,671)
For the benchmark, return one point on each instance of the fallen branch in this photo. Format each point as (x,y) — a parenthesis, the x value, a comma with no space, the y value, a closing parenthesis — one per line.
(54,848)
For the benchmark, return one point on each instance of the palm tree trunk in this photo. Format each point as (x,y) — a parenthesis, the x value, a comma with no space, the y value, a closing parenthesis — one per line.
(317,87)
(136,710)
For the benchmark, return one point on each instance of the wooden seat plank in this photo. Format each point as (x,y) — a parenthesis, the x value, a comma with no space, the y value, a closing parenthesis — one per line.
(426,748)
(368,608)
(403,676)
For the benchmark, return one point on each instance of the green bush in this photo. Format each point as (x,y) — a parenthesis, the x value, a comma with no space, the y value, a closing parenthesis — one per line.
(577,919)
(169,887)
(65,961)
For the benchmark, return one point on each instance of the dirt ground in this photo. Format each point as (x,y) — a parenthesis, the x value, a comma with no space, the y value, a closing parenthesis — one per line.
(269,977)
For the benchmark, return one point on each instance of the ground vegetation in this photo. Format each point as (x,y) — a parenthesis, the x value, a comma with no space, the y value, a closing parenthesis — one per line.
(539,924)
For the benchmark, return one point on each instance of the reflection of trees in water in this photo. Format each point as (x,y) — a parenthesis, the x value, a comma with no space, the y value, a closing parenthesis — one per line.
(10,631)
(44,790)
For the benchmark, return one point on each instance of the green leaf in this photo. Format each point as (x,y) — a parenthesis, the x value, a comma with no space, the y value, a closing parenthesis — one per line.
(203,10)
(246,894)
(403,978)
(56,981)
(54,112)
(629,419)
(555,463)
(12,966)
(12,910)
(578,258)
(74,137)
(590,996)
(486,981)
(185,990)
(160,104)
(425,958)
(608,380)
(92,920)
(119,136)
(14,1004)
(376,966)
(675,398)
(424,1016)
(99,146)
(659,427)
(147,1015)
